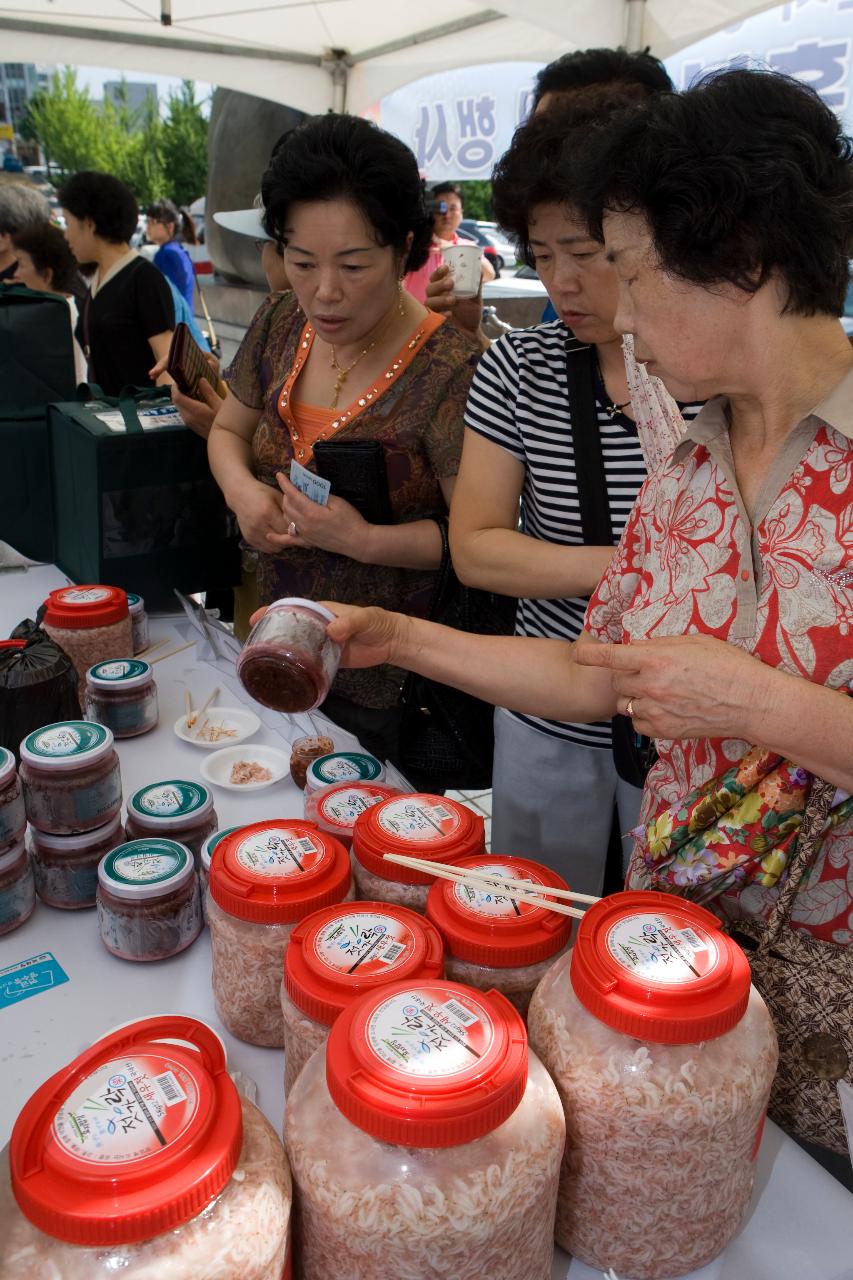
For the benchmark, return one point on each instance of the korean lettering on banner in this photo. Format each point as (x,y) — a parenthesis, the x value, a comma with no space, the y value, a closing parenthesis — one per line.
(474,124)
(824,65)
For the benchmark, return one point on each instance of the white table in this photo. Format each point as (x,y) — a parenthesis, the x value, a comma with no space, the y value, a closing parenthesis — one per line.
(800,1222)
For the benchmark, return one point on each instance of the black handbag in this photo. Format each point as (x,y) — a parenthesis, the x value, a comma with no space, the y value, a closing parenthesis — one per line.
(633,753)
(447,737)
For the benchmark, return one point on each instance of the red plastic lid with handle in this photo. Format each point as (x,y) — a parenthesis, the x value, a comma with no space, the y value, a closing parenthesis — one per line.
(337,954)
(90,605)
(420,826)
(485,926)
(135,1137)
(659,968)
(278,871)
(428,1064)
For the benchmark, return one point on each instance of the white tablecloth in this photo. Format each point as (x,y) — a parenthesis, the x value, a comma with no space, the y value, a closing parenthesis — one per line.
(799,1225)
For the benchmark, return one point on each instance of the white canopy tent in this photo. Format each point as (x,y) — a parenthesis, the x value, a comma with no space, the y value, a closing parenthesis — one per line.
(341,54)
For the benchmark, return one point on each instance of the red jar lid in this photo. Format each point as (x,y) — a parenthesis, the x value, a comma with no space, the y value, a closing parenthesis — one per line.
(335,809)
(491,928)
(278,871)
(338,953)
(659,968)
(13,644)
(428,1064)
(135,1137)
(92,605)
(421,826)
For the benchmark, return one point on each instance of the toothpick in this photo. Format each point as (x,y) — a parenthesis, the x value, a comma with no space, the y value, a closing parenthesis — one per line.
(188,706)
(203,708)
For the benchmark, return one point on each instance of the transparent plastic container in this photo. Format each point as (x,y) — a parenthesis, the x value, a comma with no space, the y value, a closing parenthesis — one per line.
(17,889)
(148,900)
(13,816)
(71,777)
(123,696)
(138,621)
(335,809)
(90,623)
(66,867)
(419,826)
(493,940)
(425,1140)
(176,809)
(288,662)
(303,751)
(207,848)
(140,1159)
(264,879)
(663,1056)
(337,955)
(343,766)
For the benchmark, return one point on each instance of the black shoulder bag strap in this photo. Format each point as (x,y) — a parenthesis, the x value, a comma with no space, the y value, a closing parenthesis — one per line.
(632,753)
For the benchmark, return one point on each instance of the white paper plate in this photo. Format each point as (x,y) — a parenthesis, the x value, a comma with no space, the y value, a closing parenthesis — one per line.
(217,767)
(241,719)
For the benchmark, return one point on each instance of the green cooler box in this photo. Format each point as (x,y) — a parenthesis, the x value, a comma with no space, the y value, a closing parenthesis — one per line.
(135,504)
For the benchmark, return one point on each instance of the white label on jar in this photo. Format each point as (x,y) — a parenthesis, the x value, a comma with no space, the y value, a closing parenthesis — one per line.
(491,902)
(418,819)
(657,947)
(144,868)
(339,770)
(343,807)
(364,944)
(169,799)
(61,741)
(128,1109)
(279,853)
(423,1033)
(85,595)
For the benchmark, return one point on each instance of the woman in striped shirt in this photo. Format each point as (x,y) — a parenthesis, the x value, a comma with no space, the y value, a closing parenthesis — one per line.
(555,783)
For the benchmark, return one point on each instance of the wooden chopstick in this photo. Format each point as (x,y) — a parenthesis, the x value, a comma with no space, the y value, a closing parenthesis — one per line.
(151,647)
(476,880)
(197,716)
(172,652)
(188,706)
(523,885)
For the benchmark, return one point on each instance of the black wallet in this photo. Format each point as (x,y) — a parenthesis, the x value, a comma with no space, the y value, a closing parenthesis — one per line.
(356,471)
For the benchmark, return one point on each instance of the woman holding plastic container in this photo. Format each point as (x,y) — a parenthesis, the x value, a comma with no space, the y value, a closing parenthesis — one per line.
(356,359)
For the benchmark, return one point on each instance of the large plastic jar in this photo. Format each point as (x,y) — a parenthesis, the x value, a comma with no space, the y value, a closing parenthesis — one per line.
(664,1056)
(343,766)
(71,777)
(122,695)
(419,826)
(138,622)
(140,1159)
(335,809)
(91,624)
(66,867)
(425,1141)
(492,939)
(176,809)
(17,890)
(148,900)
(288,662)
(340,953)
(207,848)
(264,879)
(13,815)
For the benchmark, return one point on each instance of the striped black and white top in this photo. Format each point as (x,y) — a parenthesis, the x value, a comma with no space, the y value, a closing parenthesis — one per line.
(520,400)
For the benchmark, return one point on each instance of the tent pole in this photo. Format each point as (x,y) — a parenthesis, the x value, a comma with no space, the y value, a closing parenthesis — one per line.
(337,63)
(635,16)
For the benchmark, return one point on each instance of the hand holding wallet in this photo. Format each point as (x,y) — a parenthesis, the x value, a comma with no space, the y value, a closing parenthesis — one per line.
(357,473)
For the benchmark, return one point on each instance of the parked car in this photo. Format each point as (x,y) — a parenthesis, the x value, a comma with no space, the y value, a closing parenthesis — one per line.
(497,246)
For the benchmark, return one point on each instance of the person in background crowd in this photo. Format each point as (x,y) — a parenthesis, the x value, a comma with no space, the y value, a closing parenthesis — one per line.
(128,315)
(447,211)
(638,76)
(171,228)
(46,264)
(520,444)
(352,357)
(20,206)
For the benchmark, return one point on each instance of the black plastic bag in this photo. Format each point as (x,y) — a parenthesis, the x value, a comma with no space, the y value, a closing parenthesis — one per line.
(38,684)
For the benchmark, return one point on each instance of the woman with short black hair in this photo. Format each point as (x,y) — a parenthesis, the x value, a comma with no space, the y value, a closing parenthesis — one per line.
(46,264)
(128,313)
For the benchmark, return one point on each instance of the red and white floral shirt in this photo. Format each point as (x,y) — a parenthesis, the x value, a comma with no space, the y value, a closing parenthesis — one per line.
(780,585)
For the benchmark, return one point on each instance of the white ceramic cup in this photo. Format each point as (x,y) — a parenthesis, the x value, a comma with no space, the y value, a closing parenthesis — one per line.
(464,263)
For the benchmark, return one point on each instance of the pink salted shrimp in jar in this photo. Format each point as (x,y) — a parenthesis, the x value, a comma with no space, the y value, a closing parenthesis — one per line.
(664,1056)
(140,1159)
(493,937)
(264,879)
(425,1140)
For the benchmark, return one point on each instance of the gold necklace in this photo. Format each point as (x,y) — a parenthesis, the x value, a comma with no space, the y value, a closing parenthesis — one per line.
(344,371)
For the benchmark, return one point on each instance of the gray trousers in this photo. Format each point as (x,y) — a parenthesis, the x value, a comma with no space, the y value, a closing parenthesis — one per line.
(552,800)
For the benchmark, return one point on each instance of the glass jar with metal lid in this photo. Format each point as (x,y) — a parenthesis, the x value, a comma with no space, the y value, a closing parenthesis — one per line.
(138,621)
(148,900)
(176,809)
(122,695)
(66,867)
(13,816)
(71,777)
(17,890)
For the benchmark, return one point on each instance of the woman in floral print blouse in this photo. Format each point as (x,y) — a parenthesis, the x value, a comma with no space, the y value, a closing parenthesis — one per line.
(725,619)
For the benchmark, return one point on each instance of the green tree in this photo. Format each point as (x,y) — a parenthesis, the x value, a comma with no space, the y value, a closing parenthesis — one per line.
(477,198)
(132,145)
(184,146)
(66,124)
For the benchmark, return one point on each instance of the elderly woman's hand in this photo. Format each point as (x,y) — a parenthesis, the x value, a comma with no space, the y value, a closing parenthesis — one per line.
(368,637)
(685,686)
(197,414)
(466,313)
(336,527)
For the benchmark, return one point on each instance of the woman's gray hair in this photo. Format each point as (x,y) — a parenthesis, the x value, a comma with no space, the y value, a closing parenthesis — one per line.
(21,207)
